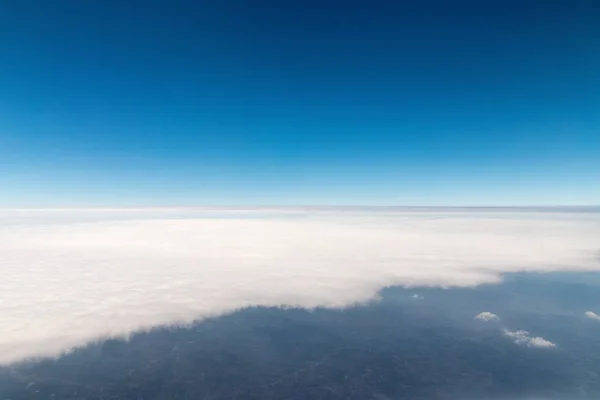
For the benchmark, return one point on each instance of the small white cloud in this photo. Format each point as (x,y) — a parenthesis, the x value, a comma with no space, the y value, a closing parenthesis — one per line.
(592,315)
(417,297)
(540,342)
(522,337)
(487,316)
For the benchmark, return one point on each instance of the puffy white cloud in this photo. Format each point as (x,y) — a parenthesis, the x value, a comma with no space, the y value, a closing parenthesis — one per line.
(592,315)
(522,337)
(540,342)
(68,277)
(487,316)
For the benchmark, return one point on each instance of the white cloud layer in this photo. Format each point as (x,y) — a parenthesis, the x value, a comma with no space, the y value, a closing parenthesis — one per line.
(592,315)
(487,316)
(68,277)
(522,337)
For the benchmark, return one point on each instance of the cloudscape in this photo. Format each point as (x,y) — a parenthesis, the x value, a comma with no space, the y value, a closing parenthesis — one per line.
(70,277)
(324,200)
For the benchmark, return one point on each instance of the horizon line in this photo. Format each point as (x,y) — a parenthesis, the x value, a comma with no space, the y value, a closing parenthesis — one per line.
(299,207)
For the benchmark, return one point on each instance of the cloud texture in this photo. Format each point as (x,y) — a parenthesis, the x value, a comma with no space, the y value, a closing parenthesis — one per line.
(592,315)
(524,338)
(487,316)
(69,277)
(520,337)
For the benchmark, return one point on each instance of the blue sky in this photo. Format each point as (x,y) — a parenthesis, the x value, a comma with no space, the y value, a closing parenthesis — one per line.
(299,102)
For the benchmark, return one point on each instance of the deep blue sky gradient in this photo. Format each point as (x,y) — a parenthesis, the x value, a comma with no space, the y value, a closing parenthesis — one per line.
(299,102)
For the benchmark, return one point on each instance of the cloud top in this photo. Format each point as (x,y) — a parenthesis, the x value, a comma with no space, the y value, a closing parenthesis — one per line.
(73,276)
(522,337)
(592,315)
(487,316)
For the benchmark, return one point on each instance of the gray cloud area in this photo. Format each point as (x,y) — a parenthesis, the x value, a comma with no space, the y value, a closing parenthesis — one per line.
(71,277)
